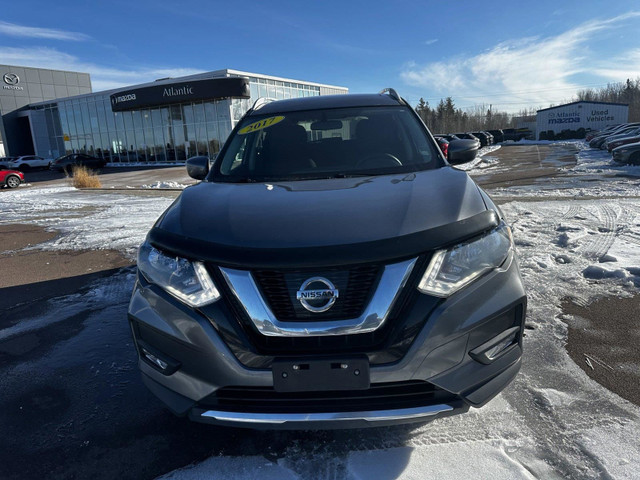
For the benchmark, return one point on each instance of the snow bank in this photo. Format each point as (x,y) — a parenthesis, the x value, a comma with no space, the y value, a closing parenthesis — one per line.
(482,160)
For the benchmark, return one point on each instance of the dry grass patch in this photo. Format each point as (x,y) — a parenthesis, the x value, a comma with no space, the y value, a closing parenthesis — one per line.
(84,178)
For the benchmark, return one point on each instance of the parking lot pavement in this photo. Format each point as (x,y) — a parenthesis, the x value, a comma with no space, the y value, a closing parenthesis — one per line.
(525,165)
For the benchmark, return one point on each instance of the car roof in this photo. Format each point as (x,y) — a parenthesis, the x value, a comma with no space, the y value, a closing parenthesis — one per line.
(326,101)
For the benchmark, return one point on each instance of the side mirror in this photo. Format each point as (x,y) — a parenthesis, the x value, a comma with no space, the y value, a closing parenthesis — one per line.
(460,157)
(462,151)
(198,167)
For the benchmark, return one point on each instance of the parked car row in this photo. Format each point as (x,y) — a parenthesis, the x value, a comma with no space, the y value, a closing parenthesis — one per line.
(622,141)
(12,168)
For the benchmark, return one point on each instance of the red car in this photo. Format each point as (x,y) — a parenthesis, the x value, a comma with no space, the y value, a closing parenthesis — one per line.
(443,143)
(10,178)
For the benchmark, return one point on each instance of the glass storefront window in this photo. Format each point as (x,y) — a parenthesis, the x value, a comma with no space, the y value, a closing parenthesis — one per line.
(71,121)
(213,137)
(111,119)
(146,119)
(210,111)
(159,144)
(201,137)
(156,118)
(136,115)
(187,111)
(93,118)
(190,141)
(128,121)
(198,113)
(119,121)
(77,115)
(86,117)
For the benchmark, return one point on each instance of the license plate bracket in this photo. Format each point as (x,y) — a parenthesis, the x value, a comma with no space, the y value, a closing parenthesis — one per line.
(305,375)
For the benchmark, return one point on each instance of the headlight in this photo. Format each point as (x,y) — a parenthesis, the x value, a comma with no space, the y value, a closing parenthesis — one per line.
(453,269)
(185,280)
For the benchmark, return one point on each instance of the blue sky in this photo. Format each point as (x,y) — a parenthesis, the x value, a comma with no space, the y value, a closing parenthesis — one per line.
(508,54)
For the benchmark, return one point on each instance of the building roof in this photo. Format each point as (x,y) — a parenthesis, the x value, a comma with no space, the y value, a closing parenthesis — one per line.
(583,101)
(197,76)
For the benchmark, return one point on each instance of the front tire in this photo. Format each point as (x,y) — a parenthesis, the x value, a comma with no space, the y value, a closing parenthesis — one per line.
(24,167)
(12,181)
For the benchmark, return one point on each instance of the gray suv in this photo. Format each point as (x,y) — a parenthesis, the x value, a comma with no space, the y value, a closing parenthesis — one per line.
(330,270)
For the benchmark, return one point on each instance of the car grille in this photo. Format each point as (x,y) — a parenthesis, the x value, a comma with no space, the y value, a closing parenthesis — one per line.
(377,397)
(355,285)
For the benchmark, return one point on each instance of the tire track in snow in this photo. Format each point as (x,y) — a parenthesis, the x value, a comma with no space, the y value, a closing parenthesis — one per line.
(572,211)
(599,243)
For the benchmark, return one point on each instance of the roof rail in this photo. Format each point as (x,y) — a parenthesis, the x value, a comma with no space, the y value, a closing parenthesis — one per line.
(261,102)
(393,94)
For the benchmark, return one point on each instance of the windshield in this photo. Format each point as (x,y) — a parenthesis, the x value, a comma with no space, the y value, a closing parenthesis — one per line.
(326,143)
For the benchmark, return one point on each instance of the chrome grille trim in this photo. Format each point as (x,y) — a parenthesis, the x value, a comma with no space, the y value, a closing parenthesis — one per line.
(244,288)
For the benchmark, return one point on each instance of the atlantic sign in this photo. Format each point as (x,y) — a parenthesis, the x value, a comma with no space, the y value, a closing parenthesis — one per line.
(165,94)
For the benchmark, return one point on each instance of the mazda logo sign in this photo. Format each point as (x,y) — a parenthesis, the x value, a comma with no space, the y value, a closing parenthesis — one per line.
(316,299)
(11,79)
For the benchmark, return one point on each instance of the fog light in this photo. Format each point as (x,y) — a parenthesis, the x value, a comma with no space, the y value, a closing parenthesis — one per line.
(496,347)
(495,351)
(161,362)
(155,360)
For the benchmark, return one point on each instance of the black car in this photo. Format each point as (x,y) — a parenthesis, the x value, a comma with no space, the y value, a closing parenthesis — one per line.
(66,162)
(498,135)
(331,269)
(485,138)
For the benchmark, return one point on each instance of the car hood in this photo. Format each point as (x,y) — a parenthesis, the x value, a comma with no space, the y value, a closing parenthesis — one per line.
(326,212)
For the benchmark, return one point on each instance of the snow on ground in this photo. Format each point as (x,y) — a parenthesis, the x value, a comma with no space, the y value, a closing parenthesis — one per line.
(552,422)
(85,219)
(482,160)
(166,185)
(594,160)
(564,245)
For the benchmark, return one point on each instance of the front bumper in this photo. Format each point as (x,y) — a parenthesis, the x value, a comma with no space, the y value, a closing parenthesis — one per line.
(437,376)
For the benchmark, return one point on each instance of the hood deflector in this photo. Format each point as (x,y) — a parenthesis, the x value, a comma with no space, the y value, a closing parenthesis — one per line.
(385,250)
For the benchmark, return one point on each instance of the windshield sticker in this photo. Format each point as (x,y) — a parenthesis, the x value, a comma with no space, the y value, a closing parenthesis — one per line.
(265,123)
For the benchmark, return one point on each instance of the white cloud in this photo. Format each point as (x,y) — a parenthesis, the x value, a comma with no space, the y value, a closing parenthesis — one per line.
(621,67)
(534,71)
(15,30)
(431,41)
(102,77)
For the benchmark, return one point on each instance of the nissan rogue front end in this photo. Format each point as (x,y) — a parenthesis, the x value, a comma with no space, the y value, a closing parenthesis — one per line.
(331,270)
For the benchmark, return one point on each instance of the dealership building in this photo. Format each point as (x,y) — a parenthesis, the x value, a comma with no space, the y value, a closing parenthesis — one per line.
(576,115)
(21,86)
(168,120)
